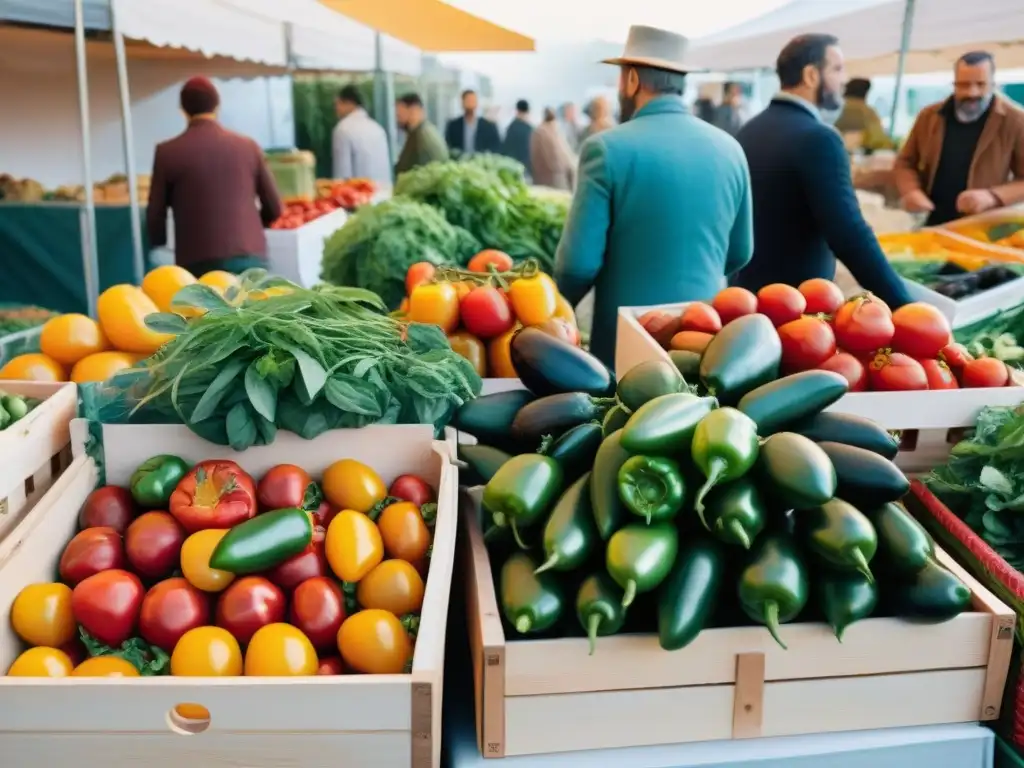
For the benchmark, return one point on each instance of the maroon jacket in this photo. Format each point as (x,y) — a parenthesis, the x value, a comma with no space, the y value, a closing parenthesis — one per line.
(211,179)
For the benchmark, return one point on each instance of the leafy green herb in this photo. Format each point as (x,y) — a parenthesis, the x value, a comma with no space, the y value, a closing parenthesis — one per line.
(148,659)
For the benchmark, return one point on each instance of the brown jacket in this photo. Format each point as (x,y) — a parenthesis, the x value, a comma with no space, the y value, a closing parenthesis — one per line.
(998,159)
(552,162)
(211,179)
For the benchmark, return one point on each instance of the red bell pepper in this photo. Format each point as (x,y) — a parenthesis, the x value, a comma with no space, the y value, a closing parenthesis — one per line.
(215,494)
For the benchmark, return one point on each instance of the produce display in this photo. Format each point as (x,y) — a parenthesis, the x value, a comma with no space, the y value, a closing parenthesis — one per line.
(656,505)
(112,191)
(203,571)
(1007,231)
(16,318)
(331,196)
(996,336)
(950,279)
(480,308)
(14,408)
(872,347)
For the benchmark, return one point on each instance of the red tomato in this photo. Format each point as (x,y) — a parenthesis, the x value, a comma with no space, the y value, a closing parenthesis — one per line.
(89,552)
(985,372)
(283,486)
(411,488)
(419,273)
(699,316)
(318,609)
(308,564)
(247,605)
(921,330)
(955,356)
(485,312)
(734,302)
(75,651)
(483,261)
(863,325)
(107,605)
(896,372)
(780,303)
(561,329)
(661,326)
(169,610)
(939,375)
(823,296)
(215,494)
(807,342)
(153,544)
(108,507)
(330,665)
(325,513)
(850,367)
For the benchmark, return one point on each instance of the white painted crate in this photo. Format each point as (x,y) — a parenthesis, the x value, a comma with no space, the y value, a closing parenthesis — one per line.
(972,308)
(296,254)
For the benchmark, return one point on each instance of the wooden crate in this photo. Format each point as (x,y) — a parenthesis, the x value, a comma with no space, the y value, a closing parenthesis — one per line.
(543,696)
(392,720)
(35,450)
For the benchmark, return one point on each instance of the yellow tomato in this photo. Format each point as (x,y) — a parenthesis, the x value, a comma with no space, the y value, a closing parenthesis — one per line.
(41,662)
(435,304)
(105,666)
(279,650)
(162,283)
(564,310)
(394,586)
(219,280)
(41,615)
(375,642)
(33,367)
(102,365)
(206,652)
(470,347)
(353,545)
(404,532)
(195,561)
(69,338)
(122,311)
(499,356)
(534,299)
(350,484)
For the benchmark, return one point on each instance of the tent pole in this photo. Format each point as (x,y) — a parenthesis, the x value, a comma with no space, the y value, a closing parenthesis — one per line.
(90,251)
(129,144)
(901,65)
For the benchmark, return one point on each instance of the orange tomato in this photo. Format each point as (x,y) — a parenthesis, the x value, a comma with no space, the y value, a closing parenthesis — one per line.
(102,365)
(534,299)
(463,289)
(350,484)
(564,310)
(122,311)
(499,356)
(375,642)
(279,650)
(195,561)
(418,274)
(470,347)
(404,533)
(41,662)
(394,586)
(353,545)
(162,283)
(33,367)
(483,261)
(105,666)
(435,304)
(69,338)
(42,615)
(219,280)
(206,652)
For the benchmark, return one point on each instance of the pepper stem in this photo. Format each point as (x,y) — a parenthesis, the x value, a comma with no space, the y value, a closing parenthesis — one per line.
(629,595)
(593,625)
(550,563)
(499,519)
(861,564)
(515,535)
(839,630)
(771,620)
(739,533)
(716,467)
(524,624)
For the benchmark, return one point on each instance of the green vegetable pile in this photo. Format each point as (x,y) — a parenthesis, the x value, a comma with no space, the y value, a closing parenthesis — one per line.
(13,408)
(997,336)
(14,318)
(673,508)
(306,361)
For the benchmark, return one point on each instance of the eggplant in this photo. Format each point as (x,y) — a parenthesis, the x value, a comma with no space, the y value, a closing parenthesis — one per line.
(489,418)
(556,414)
(550,366)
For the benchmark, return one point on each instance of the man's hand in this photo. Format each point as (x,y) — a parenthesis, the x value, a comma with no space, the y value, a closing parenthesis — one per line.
(976,201)
(917,202)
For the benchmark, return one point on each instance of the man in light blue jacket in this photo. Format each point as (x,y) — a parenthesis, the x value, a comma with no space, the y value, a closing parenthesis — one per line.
(662,210)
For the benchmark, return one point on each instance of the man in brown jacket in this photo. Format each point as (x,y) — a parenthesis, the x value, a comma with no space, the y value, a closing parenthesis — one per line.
(964,155)
(551,160)
(211,178)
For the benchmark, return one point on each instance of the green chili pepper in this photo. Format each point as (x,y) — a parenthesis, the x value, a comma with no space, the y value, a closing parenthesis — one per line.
(845,598)
(646,381)
(725,447)
(773,587)
(576,449)
(263,541)
(599,608)
(736,512)
(155,480)
(570,536)
(840,535)
(15,406)
(903,543)
(522,491)
(652,487)
(614,420)
(932,594)
(639,557)
(687,363)
(531,602)
(690,594)
(483,461)
(610,513)
(665,426)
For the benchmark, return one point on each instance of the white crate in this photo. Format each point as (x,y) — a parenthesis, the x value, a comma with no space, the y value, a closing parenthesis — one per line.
(296,254)
(972,308)
(356,720)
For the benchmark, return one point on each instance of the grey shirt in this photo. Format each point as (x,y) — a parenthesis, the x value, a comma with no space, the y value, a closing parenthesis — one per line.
(360,149)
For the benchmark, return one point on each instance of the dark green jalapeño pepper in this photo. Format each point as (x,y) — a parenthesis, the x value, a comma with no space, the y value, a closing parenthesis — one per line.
(773,587)
(931,594)
(845,598)
(614,420)
(599,608)
(155,480)
(690,594)
(903,544)
(570,535)
(482,460)
(522,491)
(531,602)
(736,512)
(263,541)
(576,449)
(724,448)
(665,425)
(646,381)
(610,513)
(639,557)
(840,535)
(652,487)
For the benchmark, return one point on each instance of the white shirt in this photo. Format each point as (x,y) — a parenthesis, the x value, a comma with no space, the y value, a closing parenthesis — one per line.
(360,149)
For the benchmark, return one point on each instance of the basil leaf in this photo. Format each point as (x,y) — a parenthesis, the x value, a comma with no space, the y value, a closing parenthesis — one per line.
(261,393)
(241,428)
(424,338)
(199,296)
(347,393)
(218,388)
(166,322)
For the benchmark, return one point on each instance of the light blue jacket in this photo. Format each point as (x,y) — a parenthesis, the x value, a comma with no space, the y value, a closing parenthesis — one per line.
(662,213)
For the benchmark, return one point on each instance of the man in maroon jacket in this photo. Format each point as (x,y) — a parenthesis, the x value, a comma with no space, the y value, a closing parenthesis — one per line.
(211,178)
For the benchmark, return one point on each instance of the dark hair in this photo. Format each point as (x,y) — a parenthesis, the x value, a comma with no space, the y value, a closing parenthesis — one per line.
(468,92)
(351,95)
(411,100)
(522,106)
(858,88)
(549,114)
(974,58)
(729,85)
(661,80)
(802,52)
(199,96)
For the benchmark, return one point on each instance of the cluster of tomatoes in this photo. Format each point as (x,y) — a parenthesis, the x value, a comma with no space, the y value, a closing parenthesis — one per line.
(340,194)
(482,307)
(221,575)
(874,348)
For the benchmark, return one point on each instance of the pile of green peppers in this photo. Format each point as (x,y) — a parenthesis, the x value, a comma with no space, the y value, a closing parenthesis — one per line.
(13,408)
(667,511)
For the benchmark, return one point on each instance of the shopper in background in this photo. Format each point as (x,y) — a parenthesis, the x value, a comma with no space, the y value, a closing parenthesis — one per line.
(806,213)
(965,155)
(471,134)
(552,161)
(517,137)
(600,113)
(860,117)
(359,145)
(704,107)
(423,142)
(662,205)
(570,126)
(211,179)
(729,115)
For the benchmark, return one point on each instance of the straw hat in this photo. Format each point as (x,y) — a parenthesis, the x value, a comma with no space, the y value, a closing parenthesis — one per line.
(656,48)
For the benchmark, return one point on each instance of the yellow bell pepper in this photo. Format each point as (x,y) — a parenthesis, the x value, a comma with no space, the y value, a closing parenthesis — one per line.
(534,299)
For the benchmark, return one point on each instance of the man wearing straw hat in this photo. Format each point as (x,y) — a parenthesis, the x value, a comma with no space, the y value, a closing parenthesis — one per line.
(662,209)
